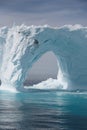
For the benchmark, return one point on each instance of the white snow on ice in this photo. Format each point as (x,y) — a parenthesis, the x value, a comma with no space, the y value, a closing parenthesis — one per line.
(21,46)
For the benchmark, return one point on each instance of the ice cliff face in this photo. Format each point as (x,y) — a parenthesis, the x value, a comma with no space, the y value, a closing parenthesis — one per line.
(22,46)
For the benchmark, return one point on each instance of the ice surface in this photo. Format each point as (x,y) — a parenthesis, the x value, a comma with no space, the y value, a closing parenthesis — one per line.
(21,46)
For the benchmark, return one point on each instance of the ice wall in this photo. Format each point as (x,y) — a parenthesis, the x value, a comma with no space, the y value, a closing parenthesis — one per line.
(21,46)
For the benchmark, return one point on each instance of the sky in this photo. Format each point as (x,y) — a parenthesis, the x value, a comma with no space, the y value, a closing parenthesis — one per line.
(46,67)
(40,12)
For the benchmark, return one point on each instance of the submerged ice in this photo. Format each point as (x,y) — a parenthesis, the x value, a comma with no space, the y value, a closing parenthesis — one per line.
(21,46)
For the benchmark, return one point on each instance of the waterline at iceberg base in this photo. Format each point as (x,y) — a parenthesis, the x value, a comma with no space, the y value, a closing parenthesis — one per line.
(21,46)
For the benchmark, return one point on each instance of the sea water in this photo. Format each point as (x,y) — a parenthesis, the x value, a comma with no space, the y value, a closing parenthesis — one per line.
(43,110)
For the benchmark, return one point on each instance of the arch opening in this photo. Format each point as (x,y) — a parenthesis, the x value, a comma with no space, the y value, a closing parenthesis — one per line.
(46,67)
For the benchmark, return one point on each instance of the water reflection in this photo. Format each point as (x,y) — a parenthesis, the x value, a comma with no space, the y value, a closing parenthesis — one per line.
(43,110)
(10,113)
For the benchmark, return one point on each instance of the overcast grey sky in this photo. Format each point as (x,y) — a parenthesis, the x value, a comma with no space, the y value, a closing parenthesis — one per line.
(40,12)
(53,12)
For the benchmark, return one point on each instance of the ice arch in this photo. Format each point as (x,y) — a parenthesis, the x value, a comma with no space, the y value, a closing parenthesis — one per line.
(45,68)
(21,47)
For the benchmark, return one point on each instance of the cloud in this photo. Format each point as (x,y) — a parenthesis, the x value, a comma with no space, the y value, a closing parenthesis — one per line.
(53,12)
(40,6)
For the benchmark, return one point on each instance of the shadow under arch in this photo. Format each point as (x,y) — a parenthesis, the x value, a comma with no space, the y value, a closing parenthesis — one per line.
(44,68)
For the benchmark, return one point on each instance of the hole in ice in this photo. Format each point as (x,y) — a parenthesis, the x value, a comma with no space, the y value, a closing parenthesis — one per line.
(36,42)
(0,82)
(46,67)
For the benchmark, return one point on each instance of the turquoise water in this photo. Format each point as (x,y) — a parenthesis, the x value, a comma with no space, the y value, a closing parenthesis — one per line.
(43,110)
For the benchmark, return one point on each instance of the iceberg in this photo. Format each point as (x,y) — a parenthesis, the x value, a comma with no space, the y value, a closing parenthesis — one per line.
(21,46)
